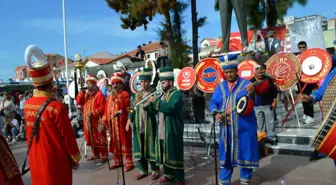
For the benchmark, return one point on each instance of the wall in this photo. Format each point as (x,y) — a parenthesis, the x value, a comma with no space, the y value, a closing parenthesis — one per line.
(205,43)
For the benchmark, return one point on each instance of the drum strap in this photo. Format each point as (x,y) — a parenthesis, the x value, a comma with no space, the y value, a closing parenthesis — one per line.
(35,132)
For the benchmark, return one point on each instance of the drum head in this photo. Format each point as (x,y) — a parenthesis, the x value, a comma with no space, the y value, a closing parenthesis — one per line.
(246,69)
(209,74)
(242,104)
(285,69)
(311,66)
(135,83)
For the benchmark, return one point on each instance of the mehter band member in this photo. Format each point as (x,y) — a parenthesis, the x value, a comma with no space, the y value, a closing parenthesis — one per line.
(53,151)
(144,128)
(92,102)
(9,170)
(170,133)
(238,143)
(117,102)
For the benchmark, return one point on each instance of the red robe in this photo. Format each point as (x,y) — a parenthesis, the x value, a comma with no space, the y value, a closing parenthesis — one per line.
(114,104)
(96,135)
(52,157)
(9,170)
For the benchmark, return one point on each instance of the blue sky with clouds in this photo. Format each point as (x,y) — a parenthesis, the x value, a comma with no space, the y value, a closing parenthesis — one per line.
(93,27)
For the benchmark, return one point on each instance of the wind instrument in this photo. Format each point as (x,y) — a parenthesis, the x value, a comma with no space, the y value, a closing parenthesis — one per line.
(156,94)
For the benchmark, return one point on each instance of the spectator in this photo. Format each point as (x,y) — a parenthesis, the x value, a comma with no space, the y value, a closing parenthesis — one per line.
(308,108)
(12,128)
(22,102)
(272,44)
(127,78)
(163,56)
(104,88)
(264,112)
(7,105)
(140,54)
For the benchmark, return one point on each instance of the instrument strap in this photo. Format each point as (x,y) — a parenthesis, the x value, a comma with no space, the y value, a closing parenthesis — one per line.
(35,132)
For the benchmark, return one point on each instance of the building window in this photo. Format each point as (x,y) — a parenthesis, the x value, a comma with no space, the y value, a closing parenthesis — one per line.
(148,56)
(156,55)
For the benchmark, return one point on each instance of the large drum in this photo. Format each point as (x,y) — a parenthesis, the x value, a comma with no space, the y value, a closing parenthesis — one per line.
(325,138)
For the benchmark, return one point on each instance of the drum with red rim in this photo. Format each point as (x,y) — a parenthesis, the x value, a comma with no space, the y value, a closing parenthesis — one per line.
(246,69)
(285,69)
(325,138)
(316,64)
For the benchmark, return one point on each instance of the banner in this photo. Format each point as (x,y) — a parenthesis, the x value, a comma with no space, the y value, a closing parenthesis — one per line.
(307,29)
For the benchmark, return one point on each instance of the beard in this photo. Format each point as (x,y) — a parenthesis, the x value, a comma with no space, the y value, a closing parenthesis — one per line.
(165,89)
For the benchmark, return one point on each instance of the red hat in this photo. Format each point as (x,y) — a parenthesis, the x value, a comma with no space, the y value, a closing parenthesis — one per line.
(91,79)
(41,71)
(117,78)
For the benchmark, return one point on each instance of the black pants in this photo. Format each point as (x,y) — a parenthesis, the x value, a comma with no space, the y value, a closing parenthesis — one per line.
(162,61)
(308,108)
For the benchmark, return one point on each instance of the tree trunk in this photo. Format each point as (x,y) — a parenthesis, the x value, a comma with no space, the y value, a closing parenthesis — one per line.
(271,14)
(194,31)
(170,38)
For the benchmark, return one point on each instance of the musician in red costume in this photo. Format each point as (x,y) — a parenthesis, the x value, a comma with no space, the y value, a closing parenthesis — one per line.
(53,151)
(9,170)
(92,102)
(118,101)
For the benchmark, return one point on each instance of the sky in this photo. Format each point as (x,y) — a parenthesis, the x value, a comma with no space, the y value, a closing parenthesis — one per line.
(93,27)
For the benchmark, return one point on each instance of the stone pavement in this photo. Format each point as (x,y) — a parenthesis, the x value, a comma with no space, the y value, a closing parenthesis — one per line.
(296,170)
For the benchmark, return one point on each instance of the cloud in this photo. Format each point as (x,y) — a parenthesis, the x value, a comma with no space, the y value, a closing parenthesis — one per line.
(107,27)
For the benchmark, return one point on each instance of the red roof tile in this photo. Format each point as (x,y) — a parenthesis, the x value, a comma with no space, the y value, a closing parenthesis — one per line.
(101,61)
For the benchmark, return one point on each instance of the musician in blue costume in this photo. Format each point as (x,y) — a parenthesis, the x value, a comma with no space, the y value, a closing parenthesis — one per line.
(238,141)
(317,95)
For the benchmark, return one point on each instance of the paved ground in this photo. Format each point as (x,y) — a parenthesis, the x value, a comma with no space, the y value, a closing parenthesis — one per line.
(296,170)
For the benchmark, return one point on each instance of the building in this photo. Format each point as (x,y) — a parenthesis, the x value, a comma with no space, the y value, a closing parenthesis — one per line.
(207,45)
(330,34)
(151,49)
(21,72)
(105,61)
(57,61)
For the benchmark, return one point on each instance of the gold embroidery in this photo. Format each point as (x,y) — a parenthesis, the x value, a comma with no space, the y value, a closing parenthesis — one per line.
(236,132)
(38,93)
(166,159)
(76,158)
(37,107)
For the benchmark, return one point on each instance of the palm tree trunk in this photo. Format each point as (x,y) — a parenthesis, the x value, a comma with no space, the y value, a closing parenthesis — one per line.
(194,32)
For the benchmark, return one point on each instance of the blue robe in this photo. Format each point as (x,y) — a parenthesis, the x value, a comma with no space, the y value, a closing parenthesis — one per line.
(243,140)
(318,94)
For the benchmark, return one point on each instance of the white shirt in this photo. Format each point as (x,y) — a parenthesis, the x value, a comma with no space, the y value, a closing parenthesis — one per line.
(22,102)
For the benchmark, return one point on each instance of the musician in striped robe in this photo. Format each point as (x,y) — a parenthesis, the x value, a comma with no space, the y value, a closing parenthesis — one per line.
(317,95)
(238,142)
(144,129)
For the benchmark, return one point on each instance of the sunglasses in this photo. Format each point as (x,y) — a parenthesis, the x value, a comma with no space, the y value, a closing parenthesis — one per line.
(258,68)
